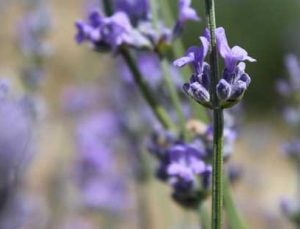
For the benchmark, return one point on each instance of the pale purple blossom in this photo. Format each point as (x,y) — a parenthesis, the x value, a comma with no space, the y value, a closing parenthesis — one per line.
(186,12)
(106,33)
(100,183)
(137,10)
(234,82)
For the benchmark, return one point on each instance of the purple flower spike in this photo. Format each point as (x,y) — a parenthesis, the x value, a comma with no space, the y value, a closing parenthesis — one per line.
(109,33)
(234,81)
(186,12)
(231,56)
(137,10)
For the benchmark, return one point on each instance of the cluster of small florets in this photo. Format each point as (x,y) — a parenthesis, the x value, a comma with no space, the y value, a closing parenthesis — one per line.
(187,166)
(234,81)
(130,27)
(182,165)
(32,33)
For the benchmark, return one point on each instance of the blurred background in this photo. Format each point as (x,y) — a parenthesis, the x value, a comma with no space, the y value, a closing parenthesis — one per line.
(48,188)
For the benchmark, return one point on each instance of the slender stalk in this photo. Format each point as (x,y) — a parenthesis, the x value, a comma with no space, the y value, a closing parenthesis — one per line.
(167,74)
(204,216)
(218,123)
(179,50)
(157,109)
(234,217)
(174,94)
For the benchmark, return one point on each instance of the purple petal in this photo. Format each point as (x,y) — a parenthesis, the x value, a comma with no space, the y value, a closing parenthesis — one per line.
(223,90)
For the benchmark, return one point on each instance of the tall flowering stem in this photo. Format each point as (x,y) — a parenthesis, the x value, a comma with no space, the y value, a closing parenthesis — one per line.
(158,110)
(218,123)
(167,74)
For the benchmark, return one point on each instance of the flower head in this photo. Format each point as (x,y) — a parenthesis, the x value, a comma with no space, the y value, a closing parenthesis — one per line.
(97,177)
(137,10)
(105,33)
(188,174)
(234,82)
(183,166)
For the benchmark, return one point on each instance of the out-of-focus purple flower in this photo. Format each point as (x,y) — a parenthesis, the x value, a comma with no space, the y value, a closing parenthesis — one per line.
(106,33)
(293,67)
(291,210)
(15,125)
(188,174)
(81,100)
(158,36)
(99,182)
(137,10)
(292,149)
(183,166)
(289,88)
(32,31)
(33,77)
(234,81)
(186,12)
(292,116)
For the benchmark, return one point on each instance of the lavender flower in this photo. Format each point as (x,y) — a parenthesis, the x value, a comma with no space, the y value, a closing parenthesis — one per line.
(32,31)
(100,185)
(289,90)
(291,210)
(109,33)
(234,81)
(14,125)
(292,149)
(188,174)
(137,10)
(183,166)
(186,13)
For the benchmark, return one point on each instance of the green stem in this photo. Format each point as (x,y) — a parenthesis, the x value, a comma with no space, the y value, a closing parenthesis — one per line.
(173,93)
(234,217)
(204,216)
(167,74)
(157,109)
(218,123)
